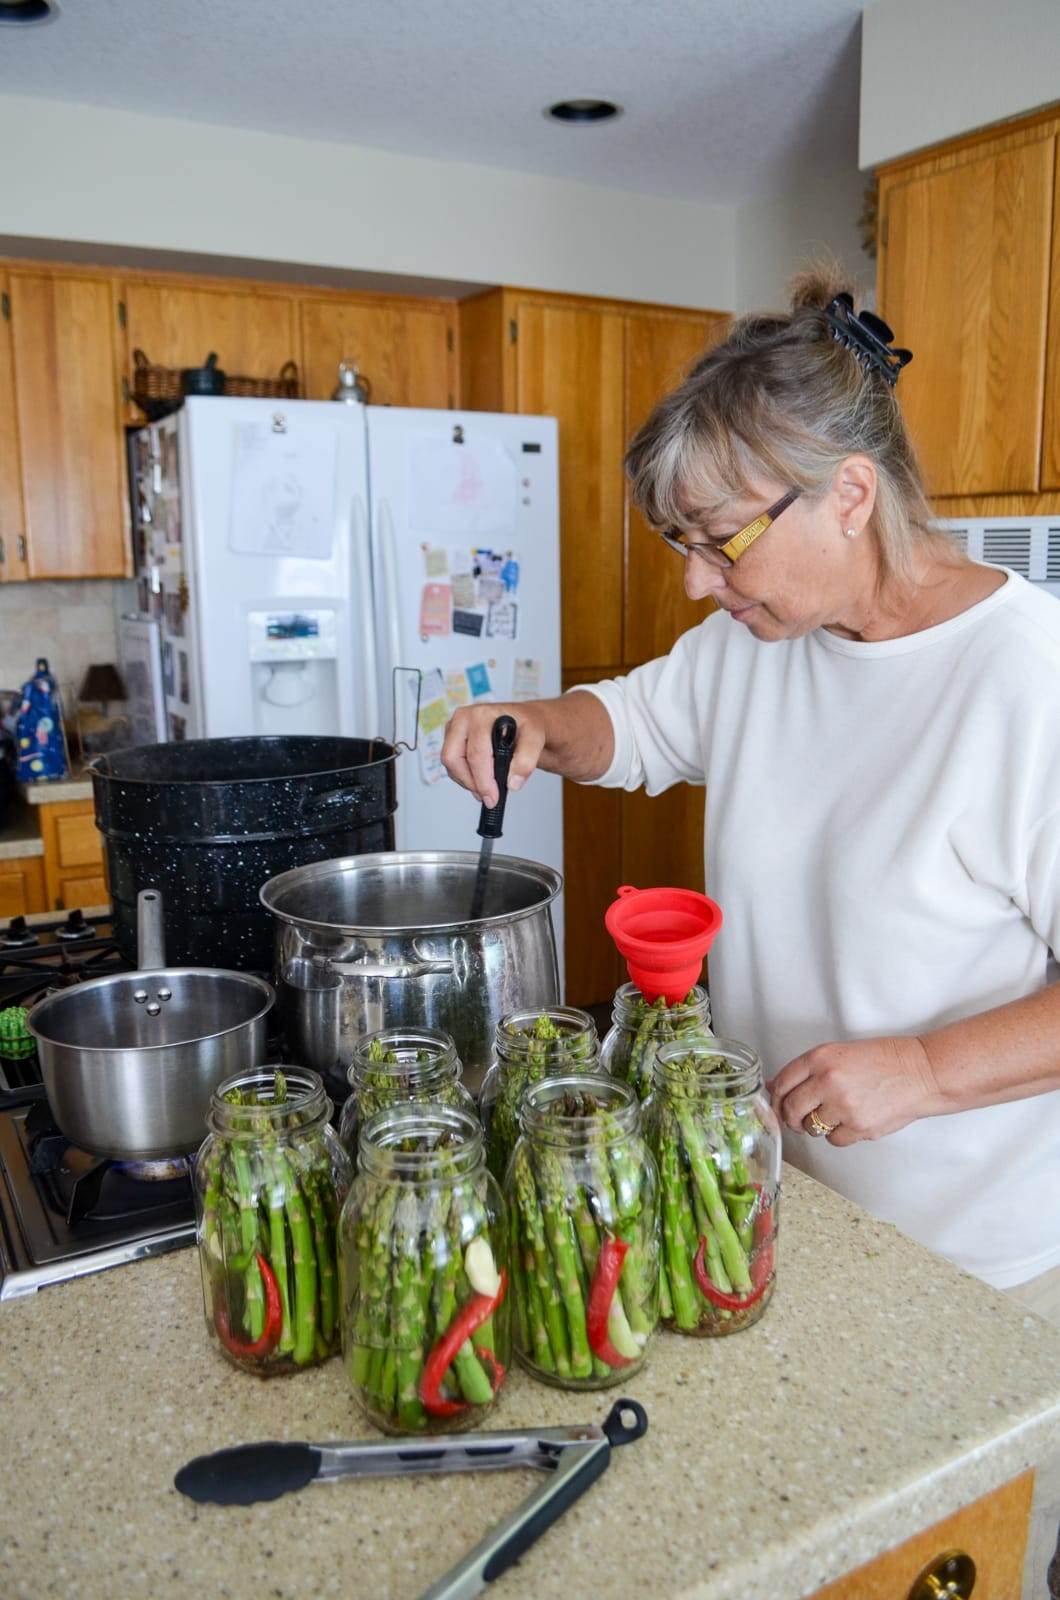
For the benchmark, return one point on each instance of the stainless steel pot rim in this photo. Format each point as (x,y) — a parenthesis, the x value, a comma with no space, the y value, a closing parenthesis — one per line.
(546,877)
(96,766)
(157,975)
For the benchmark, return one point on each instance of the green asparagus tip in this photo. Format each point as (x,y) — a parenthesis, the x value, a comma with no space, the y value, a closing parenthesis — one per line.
(279,1091)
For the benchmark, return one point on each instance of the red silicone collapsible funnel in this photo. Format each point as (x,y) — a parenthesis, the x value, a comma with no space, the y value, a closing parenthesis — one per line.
(663,935)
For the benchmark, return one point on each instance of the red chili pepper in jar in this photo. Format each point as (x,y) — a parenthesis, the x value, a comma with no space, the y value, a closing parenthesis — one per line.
(602,1293)
(761,1262)
(270,1336)
(467,1321)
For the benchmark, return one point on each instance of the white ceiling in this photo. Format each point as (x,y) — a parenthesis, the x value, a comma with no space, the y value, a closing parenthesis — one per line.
(724,100)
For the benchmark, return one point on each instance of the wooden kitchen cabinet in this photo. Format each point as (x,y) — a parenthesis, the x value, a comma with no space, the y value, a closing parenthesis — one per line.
(12,519)
(992,1531)
(660,349)
(22,889)
(74,866)
(968,243)
(69,421)
(406,349)
(177,324)
(568,365)
(1051,421)
(599,367)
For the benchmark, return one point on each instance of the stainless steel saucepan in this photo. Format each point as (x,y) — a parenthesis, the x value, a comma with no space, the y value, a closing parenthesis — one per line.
(130,1061)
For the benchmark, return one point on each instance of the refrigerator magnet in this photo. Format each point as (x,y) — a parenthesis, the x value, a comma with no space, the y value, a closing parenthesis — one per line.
(478,680)
(436,610)
(470,623)
(502,620)
(436,561)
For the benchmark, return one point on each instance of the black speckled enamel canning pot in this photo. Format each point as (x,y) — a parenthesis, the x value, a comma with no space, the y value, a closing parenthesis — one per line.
(209,821)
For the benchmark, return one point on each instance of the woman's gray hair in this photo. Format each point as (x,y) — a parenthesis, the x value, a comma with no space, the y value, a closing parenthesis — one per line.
(781,398)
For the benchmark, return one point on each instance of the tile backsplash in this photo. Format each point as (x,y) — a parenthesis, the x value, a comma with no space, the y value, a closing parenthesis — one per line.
(73,623)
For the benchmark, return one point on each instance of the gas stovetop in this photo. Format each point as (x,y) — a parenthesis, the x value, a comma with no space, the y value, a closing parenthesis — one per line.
(64,1212)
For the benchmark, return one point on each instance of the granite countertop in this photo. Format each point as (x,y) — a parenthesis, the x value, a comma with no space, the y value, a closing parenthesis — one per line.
(77,785)
(882,1391)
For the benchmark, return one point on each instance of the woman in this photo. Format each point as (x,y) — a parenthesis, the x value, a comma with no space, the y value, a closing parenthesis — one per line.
(877,721)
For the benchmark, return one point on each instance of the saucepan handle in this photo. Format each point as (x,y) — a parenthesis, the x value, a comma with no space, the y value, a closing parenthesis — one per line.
(389,969)
(150,931)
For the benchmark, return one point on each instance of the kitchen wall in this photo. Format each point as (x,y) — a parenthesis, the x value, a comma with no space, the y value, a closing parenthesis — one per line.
(73,624)
(115,178)
(933,71)
(775,238)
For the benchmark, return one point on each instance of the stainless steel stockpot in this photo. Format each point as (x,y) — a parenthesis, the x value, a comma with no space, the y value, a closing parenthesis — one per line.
(374,941)
(130,1061)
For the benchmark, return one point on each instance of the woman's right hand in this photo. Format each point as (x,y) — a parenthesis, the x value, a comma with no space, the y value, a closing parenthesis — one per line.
(467,753)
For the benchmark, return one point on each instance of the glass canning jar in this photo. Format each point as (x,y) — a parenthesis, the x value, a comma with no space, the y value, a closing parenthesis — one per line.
(423,1241)
(400,1064)
(528,1046)
(639,1027)
(716,1142)
(269,1182)
(582,1198)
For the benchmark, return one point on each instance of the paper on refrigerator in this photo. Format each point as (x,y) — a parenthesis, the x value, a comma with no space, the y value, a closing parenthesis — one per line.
(460,490)
(283,491)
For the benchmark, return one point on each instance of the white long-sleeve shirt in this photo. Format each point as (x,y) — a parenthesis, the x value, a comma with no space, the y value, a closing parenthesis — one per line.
(883,835)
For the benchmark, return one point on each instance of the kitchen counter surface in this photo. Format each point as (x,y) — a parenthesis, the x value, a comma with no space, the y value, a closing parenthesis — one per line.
(882,1390)
(77,785)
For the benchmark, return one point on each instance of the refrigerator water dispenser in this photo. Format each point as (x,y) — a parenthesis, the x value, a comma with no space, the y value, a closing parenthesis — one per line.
(294,671)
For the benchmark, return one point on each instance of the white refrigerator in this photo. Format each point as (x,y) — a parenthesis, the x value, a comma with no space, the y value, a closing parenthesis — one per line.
(315,567)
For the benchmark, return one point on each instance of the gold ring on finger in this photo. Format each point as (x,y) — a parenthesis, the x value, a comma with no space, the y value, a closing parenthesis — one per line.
(819,1128)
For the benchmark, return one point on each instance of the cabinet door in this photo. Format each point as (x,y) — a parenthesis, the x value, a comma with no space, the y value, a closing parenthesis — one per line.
(12,523)
(592,871)
(993,1531)
(253,331)
(662,838)
(964,283)
(68,411)
(1051,431)
(659,351)
(74,868)
(405,350)
(22,886)
(569,363)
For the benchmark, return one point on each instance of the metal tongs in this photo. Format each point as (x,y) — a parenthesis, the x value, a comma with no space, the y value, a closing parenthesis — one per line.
(572,1457)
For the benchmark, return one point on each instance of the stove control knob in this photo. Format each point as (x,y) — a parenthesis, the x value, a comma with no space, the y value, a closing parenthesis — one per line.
(140,996)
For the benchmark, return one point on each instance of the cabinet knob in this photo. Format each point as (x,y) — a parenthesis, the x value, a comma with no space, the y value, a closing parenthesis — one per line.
(951,1576)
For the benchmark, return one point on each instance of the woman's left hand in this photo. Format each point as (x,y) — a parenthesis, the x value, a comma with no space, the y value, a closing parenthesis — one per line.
(861,1090)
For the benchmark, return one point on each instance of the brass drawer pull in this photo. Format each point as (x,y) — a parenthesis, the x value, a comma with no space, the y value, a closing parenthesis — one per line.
(951,1576)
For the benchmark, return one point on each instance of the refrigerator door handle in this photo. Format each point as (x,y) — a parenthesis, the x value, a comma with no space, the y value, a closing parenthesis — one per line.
(363,578)
(388,548)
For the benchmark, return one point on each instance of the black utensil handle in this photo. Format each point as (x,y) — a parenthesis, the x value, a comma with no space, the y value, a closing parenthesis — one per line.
(618,1430)
(248,1473)
(529,1531)
(491,819)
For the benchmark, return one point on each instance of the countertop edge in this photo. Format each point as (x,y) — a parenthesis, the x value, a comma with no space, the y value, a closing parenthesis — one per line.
(795,1568)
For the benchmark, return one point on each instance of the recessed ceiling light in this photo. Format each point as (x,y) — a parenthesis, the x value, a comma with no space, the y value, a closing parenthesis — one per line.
(583,110)
(24,12)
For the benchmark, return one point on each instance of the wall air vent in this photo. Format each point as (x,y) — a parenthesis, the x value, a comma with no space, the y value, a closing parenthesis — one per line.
(1052,555)
(1029,546)
(1008,547)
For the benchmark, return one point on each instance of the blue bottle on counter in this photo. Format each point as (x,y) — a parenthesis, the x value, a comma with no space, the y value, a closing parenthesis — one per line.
(40,747)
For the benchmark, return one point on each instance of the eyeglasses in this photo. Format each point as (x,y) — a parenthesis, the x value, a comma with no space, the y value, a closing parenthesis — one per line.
(726,555)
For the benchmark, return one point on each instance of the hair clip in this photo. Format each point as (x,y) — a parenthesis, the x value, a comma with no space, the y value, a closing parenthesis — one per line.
(868,336)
